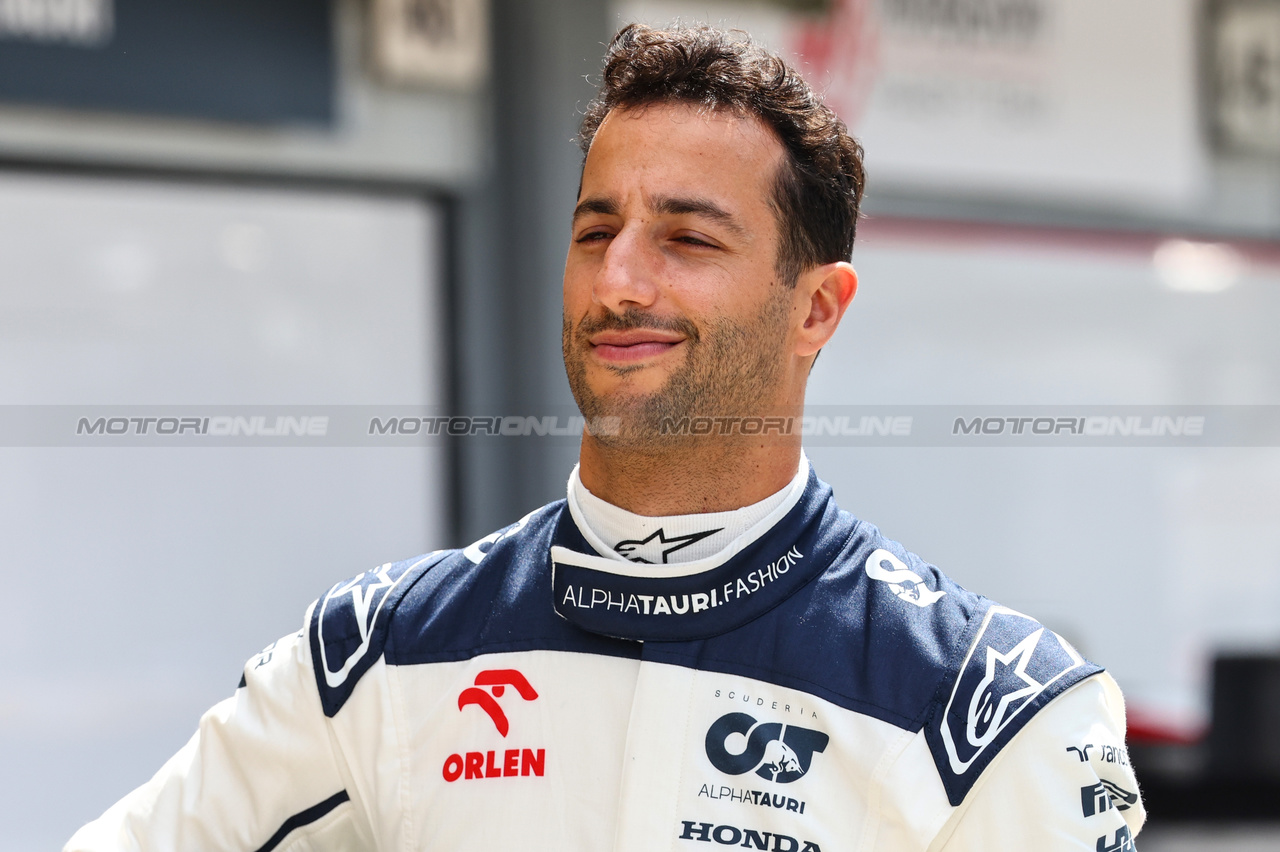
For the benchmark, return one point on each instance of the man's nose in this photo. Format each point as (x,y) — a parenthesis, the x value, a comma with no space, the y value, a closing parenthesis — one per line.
(628,277)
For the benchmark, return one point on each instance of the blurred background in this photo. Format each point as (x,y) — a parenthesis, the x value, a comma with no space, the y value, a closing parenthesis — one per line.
(313,208)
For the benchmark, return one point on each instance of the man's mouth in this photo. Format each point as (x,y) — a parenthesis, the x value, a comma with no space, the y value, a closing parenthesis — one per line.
(633,344)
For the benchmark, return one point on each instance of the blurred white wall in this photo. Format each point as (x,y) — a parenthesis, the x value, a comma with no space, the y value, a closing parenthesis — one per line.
(142,578)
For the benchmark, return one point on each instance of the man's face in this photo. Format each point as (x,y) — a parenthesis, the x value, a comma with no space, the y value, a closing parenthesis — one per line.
(672,306)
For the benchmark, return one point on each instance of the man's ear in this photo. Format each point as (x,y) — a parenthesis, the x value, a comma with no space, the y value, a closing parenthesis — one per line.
(823,293)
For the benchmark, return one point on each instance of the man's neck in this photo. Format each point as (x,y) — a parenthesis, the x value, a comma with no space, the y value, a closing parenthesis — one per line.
(715,477)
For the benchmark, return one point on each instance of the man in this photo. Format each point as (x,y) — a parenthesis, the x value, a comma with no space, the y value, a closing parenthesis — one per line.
(697,647)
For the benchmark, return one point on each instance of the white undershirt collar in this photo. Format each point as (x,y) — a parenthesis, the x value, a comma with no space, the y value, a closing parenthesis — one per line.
(676,539)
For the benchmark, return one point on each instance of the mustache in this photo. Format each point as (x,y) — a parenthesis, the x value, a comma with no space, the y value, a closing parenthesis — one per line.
(633,319)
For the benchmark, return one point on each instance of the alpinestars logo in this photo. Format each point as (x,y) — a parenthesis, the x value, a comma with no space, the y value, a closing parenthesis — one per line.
(736,744)
(1006,684)
(1011,662)
(906,584)
(655,548)
(488,764)
(351,610)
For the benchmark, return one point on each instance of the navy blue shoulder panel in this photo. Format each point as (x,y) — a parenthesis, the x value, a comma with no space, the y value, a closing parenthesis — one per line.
(446,606)
(1011,670)
(877,632)
(886,634)
(493,597)
(348,627)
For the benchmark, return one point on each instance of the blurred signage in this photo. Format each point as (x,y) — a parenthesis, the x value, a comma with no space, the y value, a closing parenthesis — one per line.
(1244,66)
(432,42)
(78,22)
(234,60)
(1082,101)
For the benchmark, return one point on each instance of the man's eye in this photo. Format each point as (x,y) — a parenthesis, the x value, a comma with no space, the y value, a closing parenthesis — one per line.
(594,236)
(693,241)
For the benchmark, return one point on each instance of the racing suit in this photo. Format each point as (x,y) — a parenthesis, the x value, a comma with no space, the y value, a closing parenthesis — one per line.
(813,687)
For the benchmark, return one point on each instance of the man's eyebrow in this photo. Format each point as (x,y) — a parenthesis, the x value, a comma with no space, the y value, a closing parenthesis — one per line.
(597,205)
(680,205)
(671,205)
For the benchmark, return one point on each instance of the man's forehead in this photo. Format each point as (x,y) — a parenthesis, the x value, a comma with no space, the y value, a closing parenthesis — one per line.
(680,151)
(679,119)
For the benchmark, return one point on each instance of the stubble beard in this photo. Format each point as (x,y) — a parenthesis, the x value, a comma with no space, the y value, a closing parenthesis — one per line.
(730,370)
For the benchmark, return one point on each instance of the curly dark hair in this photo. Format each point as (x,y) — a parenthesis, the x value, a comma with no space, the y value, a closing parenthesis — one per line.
(816,193)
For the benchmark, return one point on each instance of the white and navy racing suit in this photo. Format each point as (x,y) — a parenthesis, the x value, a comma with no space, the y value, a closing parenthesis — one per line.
(813,687)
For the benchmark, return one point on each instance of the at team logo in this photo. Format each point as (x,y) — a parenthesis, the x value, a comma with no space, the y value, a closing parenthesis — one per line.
(906,584)
(736,744)
(496,682)
(478,550)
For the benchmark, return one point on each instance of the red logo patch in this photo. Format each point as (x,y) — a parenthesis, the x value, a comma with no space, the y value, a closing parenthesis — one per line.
(497,680)
(490,685)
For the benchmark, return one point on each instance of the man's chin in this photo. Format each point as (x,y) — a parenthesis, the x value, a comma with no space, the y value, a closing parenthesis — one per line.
(631,419)
(631,389)
(630,408)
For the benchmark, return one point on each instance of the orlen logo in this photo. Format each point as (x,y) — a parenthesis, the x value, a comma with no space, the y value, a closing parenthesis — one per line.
(497,680)
(486,764)
(737,743)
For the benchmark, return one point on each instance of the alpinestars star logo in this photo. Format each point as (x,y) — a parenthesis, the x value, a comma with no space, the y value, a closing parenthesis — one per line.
(353,608)
(657,547)
(736,743)
(1006,684)
(1013,660)
(497,680)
